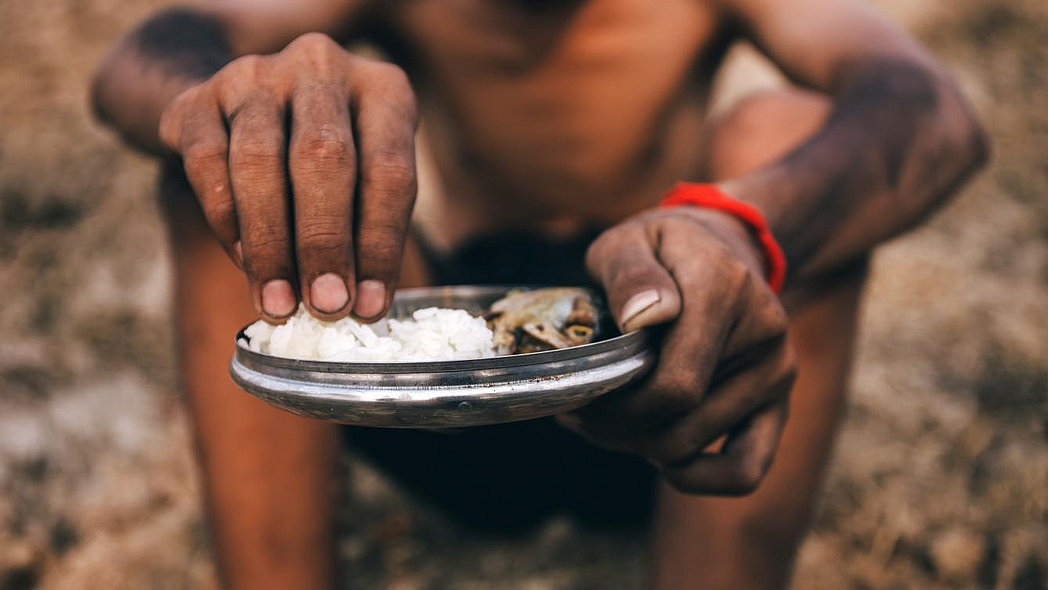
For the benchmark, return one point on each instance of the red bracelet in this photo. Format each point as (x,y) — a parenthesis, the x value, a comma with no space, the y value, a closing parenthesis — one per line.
(711,197)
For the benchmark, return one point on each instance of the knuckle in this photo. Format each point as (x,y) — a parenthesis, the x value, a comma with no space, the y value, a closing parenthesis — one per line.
(685,484)
(393,172)
(739,274)
(380,235)
(257,150)
(672,449)
(313,41)
(261,227)
(205,153)
(394,86)
(674,225)
(265,250)
(266,240)
(245,66)
(596,252)
(776,319)
(188,102)
(188,97)
(661,416)
(391,75)
(220,214)
(680,385)
(325,147)
(747,475)
(180,111)
(169,130)
(322,233)
(608,248)
(247,79)
(769,320)
(318,49)
(698,272)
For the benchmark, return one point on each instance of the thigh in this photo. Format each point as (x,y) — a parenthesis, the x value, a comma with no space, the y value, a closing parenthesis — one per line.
(749,542)
(267,473)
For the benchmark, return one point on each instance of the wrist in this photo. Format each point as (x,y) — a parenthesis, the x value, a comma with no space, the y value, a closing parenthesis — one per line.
(754,232)
(733,232)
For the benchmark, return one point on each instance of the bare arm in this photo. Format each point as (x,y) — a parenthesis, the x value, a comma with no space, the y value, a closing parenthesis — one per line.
(268,475)
(302,160)
(180,47)
(899,140)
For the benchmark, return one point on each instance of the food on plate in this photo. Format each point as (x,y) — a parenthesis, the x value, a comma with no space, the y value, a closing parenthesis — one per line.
(542,319)
(432,334)
(521,322)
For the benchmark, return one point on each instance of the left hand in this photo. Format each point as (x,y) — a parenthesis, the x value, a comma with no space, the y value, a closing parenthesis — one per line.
(725,369)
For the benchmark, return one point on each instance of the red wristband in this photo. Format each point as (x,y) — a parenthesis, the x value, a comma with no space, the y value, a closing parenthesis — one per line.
(711,197)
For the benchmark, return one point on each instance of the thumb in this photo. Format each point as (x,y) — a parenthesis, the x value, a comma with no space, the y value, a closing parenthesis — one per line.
(640,290)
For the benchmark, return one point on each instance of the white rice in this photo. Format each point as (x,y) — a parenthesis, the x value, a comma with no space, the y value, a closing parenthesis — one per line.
(434,334)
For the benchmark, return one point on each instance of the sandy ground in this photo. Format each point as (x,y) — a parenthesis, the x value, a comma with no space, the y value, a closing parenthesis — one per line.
(940,478)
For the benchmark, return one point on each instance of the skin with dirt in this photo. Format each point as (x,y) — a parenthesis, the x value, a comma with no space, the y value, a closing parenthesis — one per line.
(940,479)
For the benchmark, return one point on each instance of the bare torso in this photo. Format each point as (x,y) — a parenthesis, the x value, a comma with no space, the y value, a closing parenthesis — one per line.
(551,117)
(547,116)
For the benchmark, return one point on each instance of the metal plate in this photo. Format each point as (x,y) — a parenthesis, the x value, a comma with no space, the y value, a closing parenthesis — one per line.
(449,394)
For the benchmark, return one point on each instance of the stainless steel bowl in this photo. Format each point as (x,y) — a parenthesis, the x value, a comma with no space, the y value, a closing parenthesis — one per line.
(447,394)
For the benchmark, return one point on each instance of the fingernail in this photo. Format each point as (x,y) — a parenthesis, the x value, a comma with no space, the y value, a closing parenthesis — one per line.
(278,299)
(637,304)
(328,293)
(238,253)
(371,298)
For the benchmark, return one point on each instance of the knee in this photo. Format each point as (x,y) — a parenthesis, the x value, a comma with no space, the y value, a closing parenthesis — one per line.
(761,128)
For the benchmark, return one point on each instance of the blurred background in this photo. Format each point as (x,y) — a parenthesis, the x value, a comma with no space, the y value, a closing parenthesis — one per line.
(940,478)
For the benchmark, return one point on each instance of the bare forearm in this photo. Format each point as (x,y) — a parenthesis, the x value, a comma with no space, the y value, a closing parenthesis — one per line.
(168,53)
(899,141)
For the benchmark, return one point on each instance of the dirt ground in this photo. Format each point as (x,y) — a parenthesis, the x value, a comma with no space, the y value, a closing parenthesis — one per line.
(940,479)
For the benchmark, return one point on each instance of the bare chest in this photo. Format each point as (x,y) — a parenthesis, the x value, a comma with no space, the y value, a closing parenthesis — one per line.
(538,103)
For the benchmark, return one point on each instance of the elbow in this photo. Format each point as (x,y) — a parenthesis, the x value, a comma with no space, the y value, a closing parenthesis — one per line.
(966,135)
(99,90)
(972,145)
(964,151)
(977,143)
(964,148)
(961,148)
(108,77)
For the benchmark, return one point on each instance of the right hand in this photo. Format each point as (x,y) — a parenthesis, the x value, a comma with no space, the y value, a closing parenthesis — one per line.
(304,165)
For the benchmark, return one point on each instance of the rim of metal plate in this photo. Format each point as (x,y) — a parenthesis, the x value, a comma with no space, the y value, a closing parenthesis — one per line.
(450,393)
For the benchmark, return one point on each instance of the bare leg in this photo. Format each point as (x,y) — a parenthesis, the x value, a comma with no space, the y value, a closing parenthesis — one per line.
(268,474)
(749,543)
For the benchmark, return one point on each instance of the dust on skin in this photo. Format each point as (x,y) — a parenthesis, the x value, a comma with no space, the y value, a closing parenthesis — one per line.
(940,479)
